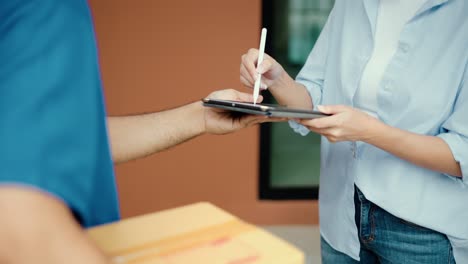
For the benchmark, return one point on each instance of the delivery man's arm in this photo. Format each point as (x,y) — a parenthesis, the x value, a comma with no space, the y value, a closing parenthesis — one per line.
(140,135)
(36,227)
(52,132)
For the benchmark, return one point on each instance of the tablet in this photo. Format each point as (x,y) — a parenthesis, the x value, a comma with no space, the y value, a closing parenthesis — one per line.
(262,109)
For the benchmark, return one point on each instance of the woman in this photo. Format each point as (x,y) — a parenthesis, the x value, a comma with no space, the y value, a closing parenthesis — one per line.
(394,170)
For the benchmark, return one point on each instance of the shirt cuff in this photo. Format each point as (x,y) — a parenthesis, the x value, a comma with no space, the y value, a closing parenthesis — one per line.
(298,128)
(459,147)
(315,92)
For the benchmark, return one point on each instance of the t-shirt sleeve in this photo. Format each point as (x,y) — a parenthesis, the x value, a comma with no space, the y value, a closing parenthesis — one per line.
(52,121)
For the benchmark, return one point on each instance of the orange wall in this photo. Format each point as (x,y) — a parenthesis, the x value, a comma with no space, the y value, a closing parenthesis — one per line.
(160,54)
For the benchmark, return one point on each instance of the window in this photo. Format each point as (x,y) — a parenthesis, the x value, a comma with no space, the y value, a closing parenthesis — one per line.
(290,163)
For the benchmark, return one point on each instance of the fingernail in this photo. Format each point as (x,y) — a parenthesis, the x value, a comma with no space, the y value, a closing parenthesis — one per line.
(263,86)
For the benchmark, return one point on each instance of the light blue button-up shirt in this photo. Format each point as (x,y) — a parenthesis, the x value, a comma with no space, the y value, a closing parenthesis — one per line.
(424,90)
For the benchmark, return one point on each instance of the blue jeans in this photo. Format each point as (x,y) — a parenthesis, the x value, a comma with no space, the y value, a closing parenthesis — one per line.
(388,239)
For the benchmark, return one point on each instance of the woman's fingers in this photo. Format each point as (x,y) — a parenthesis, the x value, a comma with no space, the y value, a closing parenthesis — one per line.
(319,123)
(249,60)
(246,79)
(332,134)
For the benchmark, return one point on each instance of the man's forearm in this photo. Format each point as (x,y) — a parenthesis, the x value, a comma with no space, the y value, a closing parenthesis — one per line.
(38,228)
(425,151)
(291,93)
(137,136)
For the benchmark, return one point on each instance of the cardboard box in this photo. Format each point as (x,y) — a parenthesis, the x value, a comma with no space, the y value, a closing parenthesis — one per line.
(200,233)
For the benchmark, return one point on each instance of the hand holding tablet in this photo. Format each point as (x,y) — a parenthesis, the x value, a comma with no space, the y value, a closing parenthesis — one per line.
(263,109)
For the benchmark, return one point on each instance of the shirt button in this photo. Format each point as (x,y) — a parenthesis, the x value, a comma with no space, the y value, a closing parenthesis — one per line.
(387,86)
(404,47)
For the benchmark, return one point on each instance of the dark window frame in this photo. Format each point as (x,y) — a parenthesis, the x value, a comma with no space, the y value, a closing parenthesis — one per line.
(266,190)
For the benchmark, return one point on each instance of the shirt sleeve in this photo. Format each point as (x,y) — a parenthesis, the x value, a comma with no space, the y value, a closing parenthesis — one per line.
(455,128)
(313,73)
(51,111)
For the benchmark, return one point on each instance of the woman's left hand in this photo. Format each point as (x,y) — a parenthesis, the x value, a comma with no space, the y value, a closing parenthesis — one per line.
(344,124)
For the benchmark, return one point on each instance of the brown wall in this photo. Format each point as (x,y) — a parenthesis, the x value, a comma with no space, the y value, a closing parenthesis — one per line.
(161,54)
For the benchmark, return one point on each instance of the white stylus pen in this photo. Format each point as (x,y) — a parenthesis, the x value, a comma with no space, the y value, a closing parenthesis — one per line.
(261,50)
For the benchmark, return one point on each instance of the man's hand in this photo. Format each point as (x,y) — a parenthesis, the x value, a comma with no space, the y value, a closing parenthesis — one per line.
(219,121)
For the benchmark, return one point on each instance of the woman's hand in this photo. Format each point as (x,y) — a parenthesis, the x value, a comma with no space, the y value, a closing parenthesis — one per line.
(284,89)
(349,124)
(344,124)
(270,69)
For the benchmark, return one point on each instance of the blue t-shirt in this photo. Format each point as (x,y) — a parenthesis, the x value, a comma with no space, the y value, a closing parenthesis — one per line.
(53,134)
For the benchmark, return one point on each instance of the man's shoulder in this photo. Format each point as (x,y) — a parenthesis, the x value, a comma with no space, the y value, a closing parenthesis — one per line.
(37,3)
(15,9)
(26,22)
